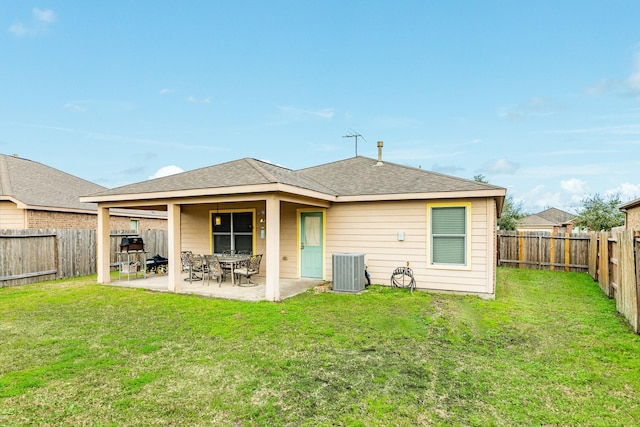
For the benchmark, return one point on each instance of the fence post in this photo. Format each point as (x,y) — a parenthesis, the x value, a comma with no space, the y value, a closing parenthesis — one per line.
(636,248)
(520,250)
(552,254)
(593,256)
(603,275)
(567,252)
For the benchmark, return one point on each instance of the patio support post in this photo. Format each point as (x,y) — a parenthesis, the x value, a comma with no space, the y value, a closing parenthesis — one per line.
(103,246)
(173,231)
(272,252)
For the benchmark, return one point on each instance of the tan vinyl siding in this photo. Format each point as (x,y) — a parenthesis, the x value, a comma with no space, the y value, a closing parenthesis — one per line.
(288,241)
(11,217)
(372,229)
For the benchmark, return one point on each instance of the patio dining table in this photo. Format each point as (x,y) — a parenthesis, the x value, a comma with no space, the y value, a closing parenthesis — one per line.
(231,261)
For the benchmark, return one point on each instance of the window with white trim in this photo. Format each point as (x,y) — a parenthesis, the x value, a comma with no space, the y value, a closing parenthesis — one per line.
(449,235)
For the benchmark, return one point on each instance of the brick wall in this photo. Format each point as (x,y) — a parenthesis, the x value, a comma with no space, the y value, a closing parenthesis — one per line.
(633,219)
(46,219)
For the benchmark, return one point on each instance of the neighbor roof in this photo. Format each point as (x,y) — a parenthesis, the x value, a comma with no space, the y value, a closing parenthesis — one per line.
(536,220)
(630,205)
(548,217)
(39,186)
(355,176)
(556,215)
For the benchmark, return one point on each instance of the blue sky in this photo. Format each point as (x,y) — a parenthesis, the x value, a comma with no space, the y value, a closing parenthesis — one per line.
(541,97)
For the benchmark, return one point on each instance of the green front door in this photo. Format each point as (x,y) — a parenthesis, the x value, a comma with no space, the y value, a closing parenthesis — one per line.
(311,244)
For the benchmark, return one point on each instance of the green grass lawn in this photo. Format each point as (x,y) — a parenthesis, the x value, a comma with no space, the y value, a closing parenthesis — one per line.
(549,350)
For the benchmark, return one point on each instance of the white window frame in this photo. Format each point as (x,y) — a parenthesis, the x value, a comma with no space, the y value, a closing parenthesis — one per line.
(467,236)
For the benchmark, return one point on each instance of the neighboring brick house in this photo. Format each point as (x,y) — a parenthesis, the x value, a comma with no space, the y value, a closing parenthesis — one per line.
(552,220)
(631,215)
(33,195)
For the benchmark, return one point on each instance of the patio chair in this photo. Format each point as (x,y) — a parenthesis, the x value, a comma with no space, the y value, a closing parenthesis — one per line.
(196,268)
(214,269)
(184,260)
(247,269)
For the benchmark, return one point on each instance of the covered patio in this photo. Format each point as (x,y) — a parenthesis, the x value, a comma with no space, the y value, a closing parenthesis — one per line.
(160,283)
(241,205)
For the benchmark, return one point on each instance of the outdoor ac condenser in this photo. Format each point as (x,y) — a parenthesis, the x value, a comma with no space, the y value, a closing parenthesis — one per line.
(348,272)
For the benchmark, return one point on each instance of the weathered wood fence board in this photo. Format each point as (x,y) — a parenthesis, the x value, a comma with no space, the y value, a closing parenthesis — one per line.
(540,250)
(28,256)
(616,268)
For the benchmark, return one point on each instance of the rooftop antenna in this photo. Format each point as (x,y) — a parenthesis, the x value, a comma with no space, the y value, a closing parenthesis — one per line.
(353,134)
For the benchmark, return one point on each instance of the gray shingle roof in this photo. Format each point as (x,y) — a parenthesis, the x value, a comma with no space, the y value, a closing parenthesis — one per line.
(35,184)
(536,220)
(363,176)
(243,172)
(557,216)
(350,177)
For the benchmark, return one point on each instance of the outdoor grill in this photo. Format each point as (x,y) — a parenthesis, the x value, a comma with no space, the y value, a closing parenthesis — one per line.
(131,244)
(157,264)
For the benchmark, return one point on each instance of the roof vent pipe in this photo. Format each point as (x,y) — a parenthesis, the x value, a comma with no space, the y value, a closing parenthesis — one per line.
(380,144)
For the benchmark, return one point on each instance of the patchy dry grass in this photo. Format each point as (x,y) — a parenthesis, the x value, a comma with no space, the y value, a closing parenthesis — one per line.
(550,350)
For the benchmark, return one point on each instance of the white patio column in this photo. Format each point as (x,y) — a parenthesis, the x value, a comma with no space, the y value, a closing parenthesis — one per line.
(173,231)
(272,252)
(103,246)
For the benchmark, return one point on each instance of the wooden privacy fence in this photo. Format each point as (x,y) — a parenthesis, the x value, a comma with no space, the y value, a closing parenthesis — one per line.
(28,256)
(614,263)
(543,251)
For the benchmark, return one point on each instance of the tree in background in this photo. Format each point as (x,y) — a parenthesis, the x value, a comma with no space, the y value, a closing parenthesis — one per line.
(599,214)
(512,212)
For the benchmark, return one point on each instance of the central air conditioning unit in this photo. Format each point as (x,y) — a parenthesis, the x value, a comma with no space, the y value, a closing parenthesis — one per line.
(348,272)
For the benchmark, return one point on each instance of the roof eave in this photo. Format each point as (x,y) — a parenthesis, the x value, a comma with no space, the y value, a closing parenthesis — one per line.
(200,192)
(497,193)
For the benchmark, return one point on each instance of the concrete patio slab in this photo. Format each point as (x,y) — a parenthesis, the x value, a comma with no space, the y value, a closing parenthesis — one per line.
(159,283)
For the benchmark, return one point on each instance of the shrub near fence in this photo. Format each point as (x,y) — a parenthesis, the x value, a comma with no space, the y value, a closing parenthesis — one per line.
(28,256)
(543,251)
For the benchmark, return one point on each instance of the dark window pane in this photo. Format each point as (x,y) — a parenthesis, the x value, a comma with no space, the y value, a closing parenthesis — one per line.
(221,243)
(225,225)
(243,243)
(242,222)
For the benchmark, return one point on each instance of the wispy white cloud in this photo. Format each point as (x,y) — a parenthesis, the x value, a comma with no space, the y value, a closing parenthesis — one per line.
(633,81)
(194,100)
(627,191)
(629,86)
(77,108)
(500,166)
(40,21)
(166,171)
(574,186)
(536,106)
(164,91)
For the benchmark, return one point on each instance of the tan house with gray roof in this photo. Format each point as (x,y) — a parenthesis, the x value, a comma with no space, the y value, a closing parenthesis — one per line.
(33,195)
(631,212)
(442,227)
(552,220)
